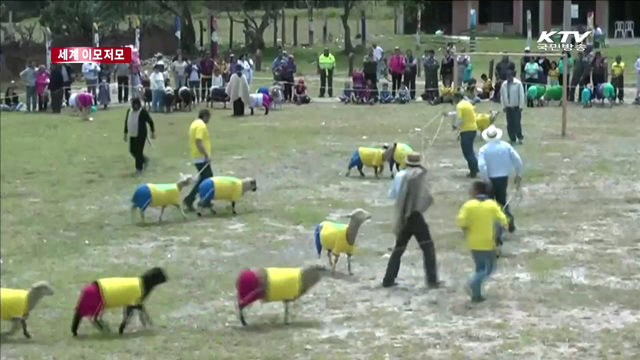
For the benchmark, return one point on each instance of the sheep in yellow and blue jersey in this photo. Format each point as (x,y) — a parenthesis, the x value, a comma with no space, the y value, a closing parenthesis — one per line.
(159,195)
(339,238)
(108,293)
(397,155)
(274,284)
(16,304)
(223,188)
(369,157)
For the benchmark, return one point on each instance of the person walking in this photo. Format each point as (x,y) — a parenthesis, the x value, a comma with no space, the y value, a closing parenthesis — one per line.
(122,79)
(135,130)
(200,145)
(477,218)
(512,99)
(495,160)
(56,87)
(396,67)
(412,198)
(28,75)
(327,64)
(465,121)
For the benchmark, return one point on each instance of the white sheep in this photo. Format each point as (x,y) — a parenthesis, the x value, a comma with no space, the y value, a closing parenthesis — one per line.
(159,195)
(16,304)
(340,238)
(223,188)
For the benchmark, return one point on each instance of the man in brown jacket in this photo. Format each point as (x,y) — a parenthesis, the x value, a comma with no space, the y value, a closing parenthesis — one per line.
(412,200)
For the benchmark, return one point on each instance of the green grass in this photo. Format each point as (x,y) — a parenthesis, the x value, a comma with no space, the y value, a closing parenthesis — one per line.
(66,185)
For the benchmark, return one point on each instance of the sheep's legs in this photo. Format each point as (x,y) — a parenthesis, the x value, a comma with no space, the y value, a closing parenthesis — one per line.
(142,216)
(377,171)
(133,214)
(286,313)
(100,325)
(161,213)
(349,264)
(330,258)
(24,328)
(75,323)
(335,262)
(184,216)
(233,208)
(360,170)
(348,172)
(145,319)
(126,314)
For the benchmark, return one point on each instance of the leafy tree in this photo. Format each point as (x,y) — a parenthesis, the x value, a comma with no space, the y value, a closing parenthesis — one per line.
(68,17)
(254,24)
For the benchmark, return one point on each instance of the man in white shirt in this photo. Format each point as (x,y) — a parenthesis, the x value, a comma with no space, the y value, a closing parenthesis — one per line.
(638,80)
(378,52)
(90,72)
(495,161)
(512,99)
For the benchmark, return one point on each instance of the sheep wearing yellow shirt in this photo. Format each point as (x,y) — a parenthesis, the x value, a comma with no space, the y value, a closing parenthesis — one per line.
(159,195)
(15,305)
(397,155)
(128,293)
(339,238)
(484,120)
(369,157)
(274,284)
(223,188)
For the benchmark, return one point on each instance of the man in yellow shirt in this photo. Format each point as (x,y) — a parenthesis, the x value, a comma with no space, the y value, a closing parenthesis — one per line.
(466,121)
(200,145)
(327,63)
(477,218)
(617,77)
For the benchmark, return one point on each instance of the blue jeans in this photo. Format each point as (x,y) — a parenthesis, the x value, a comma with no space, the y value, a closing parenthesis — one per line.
(466,144)
(156,100)
(31,98)
(485,261)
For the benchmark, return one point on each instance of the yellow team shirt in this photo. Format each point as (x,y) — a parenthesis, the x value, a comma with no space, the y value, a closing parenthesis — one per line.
(227,188)
(400,155)
(199,131)
(617,69)
(120,292)
(467,114)
(333,236)
(483,121)
(371,156)
(478,219)
(283,284)
(164,194)
(13,303)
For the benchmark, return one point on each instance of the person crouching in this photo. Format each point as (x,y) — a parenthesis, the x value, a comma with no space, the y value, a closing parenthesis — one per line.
(168,99)
(186,98)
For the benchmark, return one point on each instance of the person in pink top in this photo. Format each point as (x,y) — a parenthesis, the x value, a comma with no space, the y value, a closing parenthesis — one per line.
(42,81)
(396,68)
(84,102)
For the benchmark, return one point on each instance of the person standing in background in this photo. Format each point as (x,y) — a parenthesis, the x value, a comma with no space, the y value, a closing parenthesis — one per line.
(370,68)
(28,75)
(56,87)
(122,79)
(512,99)
(67,79)
(598,70)
(90,72)
(327,64)
(464,61)
(42,82)
(178,66)
(396,68)
(638,79)
(206,71)
(561,71)
(501,75)
(576,77)
(135,130)
(288,70)
(193,73)
(200,145)
(617,77)
(410,72)
(446,69)
(378,54)
(156,82)
(431,66)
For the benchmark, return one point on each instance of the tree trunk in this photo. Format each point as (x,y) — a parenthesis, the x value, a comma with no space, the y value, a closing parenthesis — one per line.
(188,36)
(348,46)
(275,29)
(283,29)
(310,15)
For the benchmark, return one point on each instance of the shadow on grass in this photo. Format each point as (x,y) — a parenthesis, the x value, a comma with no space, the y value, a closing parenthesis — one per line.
(4,340)
(115,336)
(273,326)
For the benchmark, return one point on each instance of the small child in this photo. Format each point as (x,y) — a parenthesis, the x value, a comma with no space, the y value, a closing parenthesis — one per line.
(348,95)
(104,93)
(385,94)
(300,95)
(403,95)
(554,74)
(487,87)
(477,218)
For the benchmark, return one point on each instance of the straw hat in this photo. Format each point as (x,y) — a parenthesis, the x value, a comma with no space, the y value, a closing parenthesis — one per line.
(413,159)
(492,133)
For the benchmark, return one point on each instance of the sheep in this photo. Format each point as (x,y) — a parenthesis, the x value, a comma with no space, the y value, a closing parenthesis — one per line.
(223,188)
(370,157)
(397,155)
(276,95)
(260,100)
(159,195)
(16,304)
(339,238)
(274,284)
(107,293)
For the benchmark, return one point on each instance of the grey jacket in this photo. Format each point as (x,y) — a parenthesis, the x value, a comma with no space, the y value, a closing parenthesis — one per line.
(29,76)
(414,196)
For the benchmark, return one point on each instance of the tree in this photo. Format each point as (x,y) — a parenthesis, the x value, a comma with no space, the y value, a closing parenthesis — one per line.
(347,7)
(188,32)
(252,28)
(68,17)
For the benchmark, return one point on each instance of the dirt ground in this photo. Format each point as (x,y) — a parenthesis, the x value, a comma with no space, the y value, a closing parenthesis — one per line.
(567,287)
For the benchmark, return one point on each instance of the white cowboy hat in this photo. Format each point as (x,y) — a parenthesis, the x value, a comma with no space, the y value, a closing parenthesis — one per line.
(492,133)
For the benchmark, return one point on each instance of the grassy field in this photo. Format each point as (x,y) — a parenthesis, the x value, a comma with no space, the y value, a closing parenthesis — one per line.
(567,287)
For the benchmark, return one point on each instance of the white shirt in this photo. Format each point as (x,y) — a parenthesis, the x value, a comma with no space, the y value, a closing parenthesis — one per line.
(156,81)
(90,71)
(638,66)
(72,100)
(496,158)
(217,82)
(512,95)
(598,31)
(178,67)
(194,73)
(377,53)
(395,186)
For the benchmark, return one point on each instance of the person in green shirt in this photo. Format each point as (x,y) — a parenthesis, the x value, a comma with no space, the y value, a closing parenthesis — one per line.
(327,63)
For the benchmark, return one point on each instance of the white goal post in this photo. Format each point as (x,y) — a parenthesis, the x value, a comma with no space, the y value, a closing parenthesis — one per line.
(565,86)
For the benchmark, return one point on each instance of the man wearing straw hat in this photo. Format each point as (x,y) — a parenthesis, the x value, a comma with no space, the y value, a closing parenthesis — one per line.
(495,161)
(200,145)
(412,196)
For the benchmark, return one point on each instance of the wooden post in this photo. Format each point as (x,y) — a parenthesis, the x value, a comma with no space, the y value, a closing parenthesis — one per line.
(351,59)
(202,34)
(324,31)
(130,24)
(490,73)
(395,20)
(47,43)
(455,75)
(259,60)
(565,93)
(275,30)
(529,29)
(295,30)
(363,24)
(230,33)
(96,36)
(283,29)
(310,16)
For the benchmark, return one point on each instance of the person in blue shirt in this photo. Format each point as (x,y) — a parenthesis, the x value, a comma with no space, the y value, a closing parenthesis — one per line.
(385,94)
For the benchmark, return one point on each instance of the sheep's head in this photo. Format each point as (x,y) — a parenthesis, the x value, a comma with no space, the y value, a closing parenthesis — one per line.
(388,152)
(360,215)
(184,180)
(42,288)
(311,275)
(249,184)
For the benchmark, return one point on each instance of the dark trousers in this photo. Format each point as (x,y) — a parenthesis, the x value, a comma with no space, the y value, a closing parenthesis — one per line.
(42,103)
(136,148)
(326,79)
(499,193)
(205,174)
(238,107)
(618,83)
(193,85)
(561,83)
(574,83)
(206,85)
(123,88)
(496,91)
(396,80)
(466,144)
(514,125)
(371,76)
(288,87)
(485,264)
(57,96)
(416,227)
(598,79)
(67,91)
(410,82)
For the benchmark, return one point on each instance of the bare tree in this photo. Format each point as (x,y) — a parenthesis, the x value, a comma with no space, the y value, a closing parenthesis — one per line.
(310,16)
(347,7)
(253,29)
